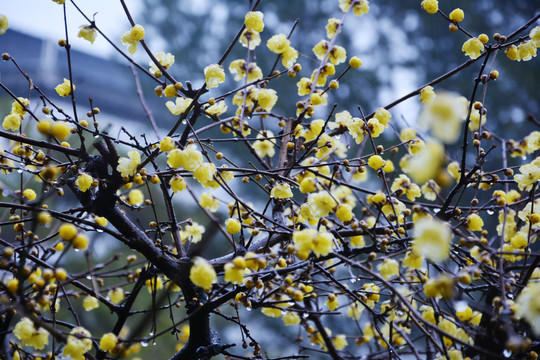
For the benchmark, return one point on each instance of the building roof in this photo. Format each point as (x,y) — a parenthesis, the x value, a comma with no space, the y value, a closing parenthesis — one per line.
(108,82)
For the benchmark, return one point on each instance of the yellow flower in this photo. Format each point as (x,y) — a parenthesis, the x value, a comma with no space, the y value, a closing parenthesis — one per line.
(526,51)
(408,134)
(214,75)
(88,33)
(304,86)
(165,60)
(356,129)
(137,33)
(281,191)
(534,34)
(202,274)
(234,271)
(383,116)
(29,194)
(78,343)
(190,158)
(445,115)
(357,241)
(473,48)
(233,226)
(116,295)
(389,268)
(192,232)
(80,242)
(340,341)
(432,239)
(264,147)
(64,89)
(216,109)
(108,342)
(4,24)
(431,6)
(278,43)
(512,52)
(320,49)
(12,122)
(177,183)
(355,62)
(375,162)
(30,336)
(474,222)
(344,212)
(332,27)
(332,302)
(375,127)
(321,204)
(412,260)
(407,187)
(267,98)
(360,7)
(530,174)
(427,95)
(90,303)
(250,39)
(128,167)
(254,20)
(67,231)
(457,15)
(135,197)
(60,130)
(179,106)
(291,318)
(205,173)
(209,202)
(166,144)
(84,182)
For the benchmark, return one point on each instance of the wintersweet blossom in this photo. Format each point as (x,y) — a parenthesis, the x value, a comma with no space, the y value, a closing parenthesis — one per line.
(192,232)
(473,48)
(427,95)
(431,6)
(64,89)
(278,43)
(132,37)
(529,175)
(202,274)
(88,33)
(209,202)
(254,20)
(214,75)
(264,146)
(128,166)
(432,239)
(528,305)
(108,342)
(250,39)
(281,191)
(78,342)
(179,106)
(90,303)
(360,7)
(457,15)
(84,182)
(165,60)
(177,183)
(12,122)
(30,336)
(4,24)
(190,158)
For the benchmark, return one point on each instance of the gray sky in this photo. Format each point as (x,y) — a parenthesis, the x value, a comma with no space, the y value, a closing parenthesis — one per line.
(44,19)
